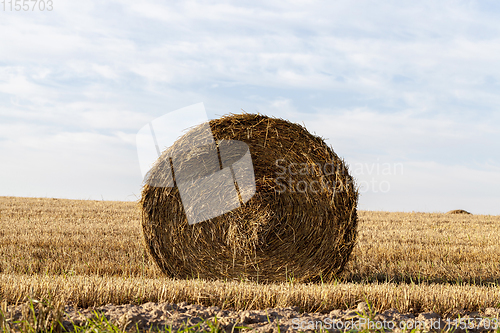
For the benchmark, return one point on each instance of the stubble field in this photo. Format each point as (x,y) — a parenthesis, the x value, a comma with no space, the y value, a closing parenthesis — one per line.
(90,253)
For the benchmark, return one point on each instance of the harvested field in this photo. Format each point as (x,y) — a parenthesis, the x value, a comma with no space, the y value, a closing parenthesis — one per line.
(80,237)
(90,253)
(94,291)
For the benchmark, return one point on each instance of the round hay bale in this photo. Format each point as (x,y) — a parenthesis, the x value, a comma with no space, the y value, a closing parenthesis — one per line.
(458,211)
(300,223)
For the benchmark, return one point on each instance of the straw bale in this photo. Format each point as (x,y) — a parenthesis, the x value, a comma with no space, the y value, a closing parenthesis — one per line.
(458,211)
(300,224)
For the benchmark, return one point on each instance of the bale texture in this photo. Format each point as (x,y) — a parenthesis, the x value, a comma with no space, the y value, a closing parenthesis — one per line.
(300,224)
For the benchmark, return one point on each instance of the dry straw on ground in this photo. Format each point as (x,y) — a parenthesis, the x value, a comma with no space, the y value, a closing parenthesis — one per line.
(83,237)
(89,253)
(90,291)
(301,223)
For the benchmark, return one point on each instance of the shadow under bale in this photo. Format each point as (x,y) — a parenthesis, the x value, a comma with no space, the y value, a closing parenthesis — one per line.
(294,218)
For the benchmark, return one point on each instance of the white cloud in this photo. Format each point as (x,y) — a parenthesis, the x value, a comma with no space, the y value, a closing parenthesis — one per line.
(414,82)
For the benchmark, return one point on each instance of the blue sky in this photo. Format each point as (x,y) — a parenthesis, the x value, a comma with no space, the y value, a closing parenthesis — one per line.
(406,92)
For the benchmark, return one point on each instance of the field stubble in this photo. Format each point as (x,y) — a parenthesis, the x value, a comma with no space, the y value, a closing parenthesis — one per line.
(90,253)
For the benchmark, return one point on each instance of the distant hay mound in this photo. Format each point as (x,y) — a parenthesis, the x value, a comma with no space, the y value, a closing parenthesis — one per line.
(299,222)
(458,211)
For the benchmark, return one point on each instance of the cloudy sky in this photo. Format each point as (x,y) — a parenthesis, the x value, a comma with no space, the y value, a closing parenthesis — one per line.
(407,92)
